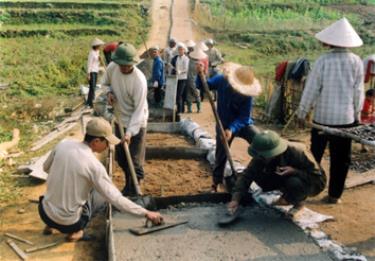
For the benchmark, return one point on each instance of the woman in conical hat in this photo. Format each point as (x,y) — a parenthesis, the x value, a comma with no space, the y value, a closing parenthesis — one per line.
(334,90)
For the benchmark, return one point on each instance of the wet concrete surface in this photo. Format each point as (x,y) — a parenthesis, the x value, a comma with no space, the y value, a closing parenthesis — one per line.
(260,234)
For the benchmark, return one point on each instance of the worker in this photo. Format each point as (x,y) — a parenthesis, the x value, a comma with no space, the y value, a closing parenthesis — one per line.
(214,57)
(276,165)
(235,88)
(192,92)
(190,44)
(78,184)
(157,77)
(181,67)
(168,54)
(108,50)
(128,95)
(334,88)
(93,63)
(369,69)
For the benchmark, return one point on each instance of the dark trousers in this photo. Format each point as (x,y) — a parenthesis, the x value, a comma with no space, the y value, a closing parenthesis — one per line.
(95,204)
(247,133)
(181,85)
(157,95)
(107,57)
(137,148)
(294,188)
(92,86)
(340,152)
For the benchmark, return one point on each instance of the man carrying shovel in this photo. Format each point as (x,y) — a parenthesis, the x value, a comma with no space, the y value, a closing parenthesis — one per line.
(235,88)
(128,94)
(78,184)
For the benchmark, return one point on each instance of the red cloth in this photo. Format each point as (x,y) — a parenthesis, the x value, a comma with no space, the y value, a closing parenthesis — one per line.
(280,70)
(110,47)
(367,114)
(368,73)
(205,65)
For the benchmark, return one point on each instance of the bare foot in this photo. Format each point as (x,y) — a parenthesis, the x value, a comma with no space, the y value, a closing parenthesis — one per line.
(47,231)
(74,237)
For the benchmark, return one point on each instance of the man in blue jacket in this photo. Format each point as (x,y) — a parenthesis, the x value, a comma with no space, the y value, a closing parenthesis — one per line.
(235,89)
(157,78)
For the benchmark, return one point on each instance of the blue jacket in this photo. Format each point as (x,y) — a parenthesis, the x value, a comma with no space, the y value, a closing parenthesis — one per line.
(158,71)
(233,108)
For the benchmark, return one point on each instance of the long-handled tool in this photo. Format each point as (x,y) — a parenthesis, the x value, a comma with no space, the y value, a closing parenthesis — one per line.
(218,122)
(128,157)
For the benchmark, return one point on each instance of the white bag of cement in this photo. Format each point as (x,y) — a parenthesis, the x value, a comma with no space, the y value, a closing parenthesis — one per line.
(208,144)
(228,170)
(188,127)
(200,133)
(211,157)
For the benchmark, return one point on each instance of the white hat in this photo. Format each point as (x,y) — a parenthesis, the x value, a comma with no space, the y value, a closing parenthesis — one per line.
(340,34)
(242,79)
(190,44)
(182,45)
(154,48)
(96,42)
(201,45)
(198,54)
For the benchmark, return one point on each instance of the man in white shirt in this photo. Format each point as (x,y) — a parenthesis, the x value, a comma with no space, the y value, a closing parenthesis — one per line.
(78,184)
(128,94)
(182,68)
(168,54)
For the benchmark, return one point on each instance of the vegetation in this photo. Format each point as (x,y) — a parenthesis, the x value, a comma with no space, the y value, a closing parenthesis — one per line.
(43,52)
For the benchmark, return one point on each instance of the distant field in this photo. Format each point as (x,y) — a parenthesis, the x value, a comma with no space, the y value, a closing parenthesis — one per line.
(263,33)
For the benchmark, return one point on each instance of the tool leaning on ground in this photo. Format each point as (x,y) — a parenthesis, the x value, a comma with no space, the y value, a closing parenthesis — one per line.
(150,228)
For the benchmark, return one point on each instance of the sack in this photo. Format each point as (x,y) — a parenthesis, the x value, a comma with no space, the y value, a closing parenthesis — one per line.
(280,70)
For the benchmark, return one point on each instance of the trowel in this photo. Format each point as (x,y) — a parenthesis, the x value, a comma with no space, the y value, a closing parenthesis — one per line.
(147,228)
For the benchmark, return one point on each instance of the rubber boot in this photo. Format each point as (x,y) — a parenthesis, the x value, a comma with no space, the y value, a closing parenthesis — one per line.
(198,106)
(189,104)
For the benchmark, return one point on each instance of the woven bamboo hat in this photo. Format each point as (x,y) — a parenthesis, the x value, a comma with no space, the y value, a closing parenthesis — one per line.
(190,44)
(242,79)
(202,46)
(198,54)
(96,42)
(340,34)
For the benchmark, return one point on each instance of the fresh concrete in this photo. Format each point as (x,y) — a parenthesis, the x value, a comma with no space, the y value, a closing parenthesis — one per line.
(260,234)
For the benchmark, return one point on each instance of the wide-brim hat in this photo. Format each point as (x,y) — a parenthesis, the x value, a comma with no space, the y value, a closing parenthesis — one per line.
(181,45)
(241,78)
(198,54)
(99,127)
(267,144)
(125,54)
(190,44)
(340,34)
(96,42)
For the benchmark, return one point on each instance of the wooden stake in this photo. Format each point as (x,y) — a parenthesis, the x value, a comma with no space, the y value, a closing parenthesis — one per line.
(19,239)
(38,248)
(17,249)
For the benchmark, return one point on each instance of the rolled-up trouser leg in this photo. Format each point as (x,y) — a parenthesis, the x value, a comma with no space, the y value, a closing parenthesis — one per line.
(137,151)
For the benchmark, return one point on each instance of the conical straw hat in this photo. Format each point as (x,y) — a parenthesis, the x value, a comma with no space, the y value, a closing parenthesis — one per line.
(340,34)
(242,79)
(198,54)
(201,45)
(96,42)
(190,44)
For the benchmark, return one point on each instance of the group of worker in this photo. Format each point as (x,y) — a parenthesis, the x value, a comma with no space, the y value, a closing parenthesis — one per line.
(78,184)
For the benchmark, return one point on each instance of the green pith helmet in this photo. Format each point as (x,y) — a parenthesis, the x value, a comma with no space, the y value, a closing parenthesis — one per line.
(267,144)
(125,54)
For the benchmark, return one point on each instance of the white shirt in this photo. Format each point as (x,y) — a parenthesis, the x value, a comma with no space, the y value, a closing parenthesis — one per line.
(182,67)
(334,88)
(73,172)
(130,91)
(93,61)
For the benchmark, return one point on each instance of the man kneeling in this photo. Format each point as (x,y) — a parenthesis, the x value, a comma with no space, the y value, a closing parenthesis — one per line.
(279,166)
(78,184)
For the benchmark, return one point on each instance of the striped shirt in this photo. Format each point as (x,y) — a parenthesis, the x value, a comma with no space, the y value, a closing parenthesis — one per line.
(334,89)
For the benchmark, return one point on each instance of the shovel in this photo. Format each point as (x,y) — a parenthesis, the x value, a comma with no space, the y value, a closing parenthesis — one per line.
(146,202)
(218,122)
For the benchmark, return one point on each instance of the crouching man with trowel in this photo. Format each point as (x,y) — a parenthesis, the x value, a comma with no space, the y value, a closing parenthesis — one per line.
(276,165)
(78,184)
